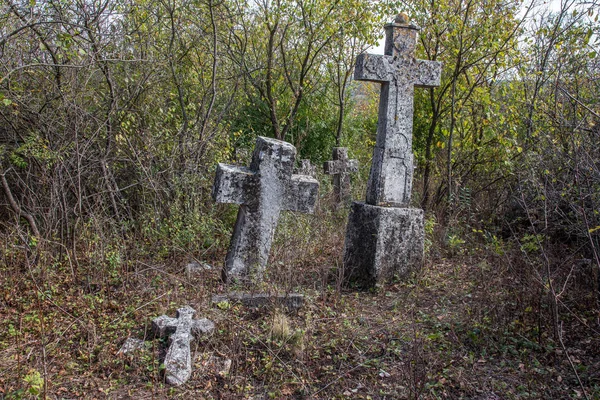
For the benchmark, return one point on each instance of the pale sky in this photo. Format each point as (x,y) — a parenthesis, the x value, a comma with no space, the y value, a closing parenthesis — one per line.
(553,5)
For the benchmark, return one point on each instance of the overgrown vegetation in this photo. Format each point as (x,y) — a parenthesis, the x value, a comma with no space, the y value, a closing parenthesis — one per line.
(114,114)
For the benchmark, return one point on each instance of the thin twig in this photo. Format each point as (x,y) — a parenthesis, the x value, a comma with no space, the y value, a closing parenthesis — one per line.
(139,308)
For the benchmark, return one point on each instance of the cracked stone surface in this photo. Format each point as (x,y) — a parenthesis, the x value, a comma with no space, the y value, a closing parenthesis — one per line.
(262,191)
(340,168)
(385,237)
(398,71)
(181,331)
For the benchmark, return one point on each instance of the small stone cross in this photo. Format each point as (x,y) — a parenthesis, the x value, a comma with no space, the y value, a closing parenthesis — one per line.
(305,168)
(263,191)
(390,179)
(178,361)
(340,168)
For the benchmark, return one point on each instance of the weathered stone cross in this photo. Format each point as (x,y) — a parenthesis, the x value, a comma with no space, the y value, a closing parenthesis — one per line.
(305,168)
(178,361)
(384,236)
(263,191)
(340,168)
(390,180)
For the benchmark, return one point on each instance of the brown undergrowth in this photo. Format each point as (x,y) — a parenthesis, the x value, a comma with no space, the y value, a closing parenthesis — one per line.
(472,324)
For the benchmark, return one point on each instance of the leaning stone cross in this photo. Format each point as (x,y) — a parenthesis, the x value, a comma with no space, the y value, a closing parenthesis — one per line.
(385,237)
(340,168)
(263,191)
(390,180)
(178,361)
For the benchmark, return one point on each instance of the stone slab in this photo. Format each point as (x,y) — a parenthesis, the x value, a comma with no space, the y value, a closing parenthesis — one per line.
(292,301)
(194,267)
(130,345)
(382,242)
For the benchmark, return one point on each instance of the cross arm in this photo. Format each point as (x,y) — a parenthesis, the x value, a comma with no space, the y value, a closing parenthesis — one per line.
(337,166)
(427,73)
(232,184)
(301,194)
(331,167)
(164,326)
(352,166)
(372,67)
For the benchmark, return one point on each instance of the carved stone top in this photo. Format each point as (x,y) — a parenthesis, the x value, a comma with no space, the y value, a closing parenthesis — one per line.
(401,19)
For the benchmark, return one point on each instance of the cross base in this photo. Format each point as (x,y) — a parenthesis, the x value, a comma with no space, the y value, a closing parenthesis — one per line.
(382,242)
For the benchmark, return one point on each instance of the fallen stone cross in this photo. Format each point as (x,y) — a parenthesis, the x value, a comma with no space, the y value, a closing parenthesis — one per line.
(181,331)
(263,191)
(340,168)
(384,236)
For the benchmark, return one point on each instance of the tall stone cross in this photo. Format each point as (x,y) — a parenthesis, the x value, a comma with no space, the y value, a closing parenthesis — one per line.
(181,331)
(390,179)
(263,191)
(384,236)
(340,168)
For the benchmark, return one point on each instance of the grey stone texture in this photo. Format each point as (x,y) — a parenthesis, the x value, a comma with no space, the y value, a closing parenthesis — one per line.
(292,301)
(130,345)
(305,167)
(384,237)
(181,331)
(340,168)
(382,242)
(194,268)
(390,179)
(262,191)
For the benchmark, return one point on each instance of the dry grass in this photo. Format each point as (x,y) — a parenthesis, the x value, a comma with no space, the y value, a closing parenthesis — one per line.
(462,328)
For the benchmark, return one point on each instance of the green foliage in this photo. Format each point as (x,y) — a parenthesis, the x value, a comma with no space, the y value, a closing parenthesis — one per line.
(34,382)
(114,118)
(430,223)
(462,124)
(455,243)
(531,243)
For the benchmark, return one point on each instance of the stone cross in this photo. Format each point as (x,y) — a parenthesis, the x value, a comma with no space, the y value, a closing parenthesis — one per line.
(340,168)
(390,179)
(263,191)
(385,237)
(305,168)
(178,361)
